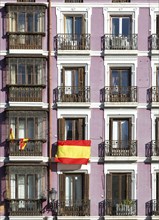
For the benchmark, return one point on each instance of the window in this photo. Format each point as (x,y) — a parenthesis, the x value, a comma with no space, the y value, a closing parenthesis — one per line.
(120,132)
(74,194)
(74,1)
(73,79)
(71,129)
(120,81)
(118,187)
(26,185)
(157,25)
(29,124)
(26,18)
(25,0)
(74,25)
(26,71)
(115,1)
(121,25)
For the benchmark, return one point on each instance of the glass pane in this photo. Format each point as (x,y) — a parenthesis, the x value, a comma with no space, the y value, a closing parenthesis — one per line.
(115,78)
(30,74)
(68,130)
(78,189)
(21,187)
(68,191)
(13,71)
(125,78)
(21,22)
(21,128)
(126,26)
(69,25)
(31,187)
(78,25)
(30,128)
(157,75)
(124,133)
(115,26)
(30,22)
(115,134)
(21,74)
(68,82)
(123,188)
(13,186)
(115,189)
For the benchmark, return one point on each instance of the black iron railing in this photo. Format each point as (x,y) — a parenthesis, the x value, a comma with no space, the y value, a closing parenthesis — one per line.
(152,207)
(72,42)
(120,94)
(24,40)
(126,207)
(32,148)
(120,148)
(25,93)
(72,94)
(119,42)
(154,42)
(28,207)
(74,208)
(153,94)
(152,148)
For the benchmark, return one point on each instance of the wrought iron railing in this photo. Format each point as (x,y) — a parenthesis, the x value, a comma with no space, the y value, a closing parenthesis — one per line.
(152,207)
(119,42)
(153,94)
(22,207)
(74,1)
(126,207)
(152,148)
(120,94)
(72,42)
(24,40)
(74,208)
(72,94)
(120,148)
(153,42)
(32,148)
(25,93)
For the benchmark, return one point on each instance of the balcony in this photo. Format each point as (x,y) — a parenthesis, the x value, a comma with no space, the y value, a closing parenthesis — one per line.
(72,42)
(120,42)
(32,148)
(25,207)
(25,93)
(154,42)
(120,94)
(72,94)
(121,208)
(152,208)
(118,148)
(153,94)
(25,40)
(70,208)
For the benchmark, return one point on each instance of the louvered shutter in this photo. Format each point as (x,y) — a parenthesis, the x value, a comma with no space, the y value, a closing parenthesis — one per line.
(129,186)
(111,129)
(61,129)
(157,186)
(86,187)
(109,187)
(81,129)
(81,77)
(157,129)
(130,129)
(62,187)
(157,25)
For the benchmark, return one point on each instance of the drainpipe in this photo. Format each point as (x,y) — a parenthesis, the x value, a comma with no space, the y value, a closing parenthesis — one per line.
(50,98)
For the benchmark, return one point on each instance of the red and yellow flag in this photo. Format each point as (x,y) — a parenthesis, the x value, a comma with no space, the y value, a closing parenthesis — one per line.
(23,143)
(11,135)
(73,151)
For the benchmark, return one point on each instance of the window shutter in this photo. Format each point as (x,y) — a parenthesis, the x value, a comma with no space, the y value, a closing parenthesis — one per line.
(61,129)
(63,77)
(109,187)
(62,187)
(129,186)
(111,129)
(157,129)
(157,186)
(81,77)
(81,129)
(130,129)
(157,24)
(86,187)
(83,24)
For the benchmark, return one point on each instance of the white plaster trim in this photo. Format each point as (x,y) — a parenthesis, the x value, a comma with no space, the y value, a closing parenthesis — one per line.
(28,158)
(152,71)
(154,115)
(73,104)
(127,217)
(154,11)
(26,217)
(74,168)
(2,159)
(28,104)
(154,170)
(23,51)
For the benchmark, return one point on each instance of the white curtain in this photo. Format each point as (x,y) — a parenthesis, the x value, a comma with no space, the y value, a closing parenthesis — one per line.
(12,21)
(115,134)
(21,128)
(12,186)
(12,126)
(68,82)
(13,73)
(68,191)
(21,190)
(40,128)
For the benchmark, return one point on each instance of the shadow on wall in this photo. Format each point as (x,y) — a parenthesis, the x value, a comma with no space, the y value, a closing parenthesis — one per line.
(3,193)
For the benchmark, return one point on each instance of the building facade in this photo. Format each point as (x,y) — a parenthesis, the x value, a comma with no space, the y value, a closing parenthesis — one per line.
(79,76)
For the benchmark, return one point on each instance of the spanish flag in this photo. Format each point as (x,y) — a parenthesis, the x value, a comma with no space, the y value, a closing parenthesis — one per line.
(23,143)
(11,135)
(73,152)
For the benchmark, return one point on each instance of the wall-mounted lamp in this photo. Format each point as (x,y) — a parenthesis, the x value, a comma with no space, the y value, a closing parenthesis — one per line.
(52,201)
